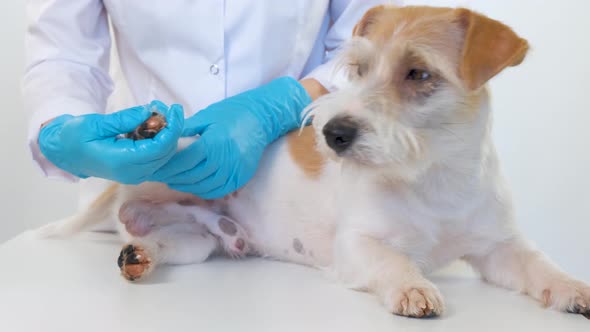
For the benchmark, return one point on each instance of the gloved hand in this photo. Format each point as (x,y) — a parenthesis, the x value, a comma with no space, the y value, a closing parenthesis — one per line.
(87,145)
(233,135)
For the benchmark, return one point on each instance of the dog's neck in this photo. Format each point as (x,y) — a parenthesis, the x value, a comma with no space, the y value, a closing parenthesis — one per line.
(458,176)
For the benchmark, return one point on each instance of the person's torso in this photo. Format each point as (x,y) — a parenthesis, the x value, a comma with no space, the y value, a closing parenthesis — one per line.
(198,52)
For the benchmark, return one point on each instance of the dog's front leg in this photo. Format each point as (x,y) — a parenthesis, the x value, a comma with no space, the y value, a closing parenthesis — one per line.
(369,264)
(515,264)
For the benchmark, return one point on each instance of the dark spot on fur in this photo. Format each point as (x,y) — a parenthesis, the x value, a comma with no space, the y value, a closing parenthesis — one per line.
(298,246)
(188,202)
(227,226)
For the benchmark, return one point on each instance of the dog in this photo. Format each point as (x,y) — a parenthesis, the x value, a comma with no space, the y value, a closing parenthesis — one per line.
(396,176)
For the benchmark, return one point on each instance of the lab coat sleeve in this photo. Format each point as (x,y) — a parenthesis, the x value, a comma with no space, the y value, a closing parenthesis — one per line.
(344,15)
(66,71)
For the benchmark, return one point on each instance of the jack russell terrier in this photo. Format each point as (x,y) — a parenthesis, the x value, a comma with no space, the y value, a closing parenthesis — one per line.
(396,176)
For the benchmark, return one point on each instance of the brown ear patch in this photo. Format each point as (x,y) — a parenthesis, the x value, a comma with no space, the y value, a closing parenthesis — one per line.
(362,27)
(303,150)
(489,47)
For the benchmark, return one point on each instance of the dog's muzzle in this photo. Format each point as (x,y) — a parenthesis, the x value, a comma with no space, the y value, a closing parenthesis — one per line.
(340,133)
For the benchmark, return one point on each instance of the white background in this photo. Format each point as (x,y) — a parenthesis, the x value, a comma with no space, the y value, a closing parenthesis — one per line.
(26,198)
(542,114)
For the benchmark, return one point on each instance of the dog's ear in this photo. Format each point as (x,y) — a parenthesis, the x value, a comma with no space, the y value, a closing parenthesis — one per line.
(361,29)
(489,46)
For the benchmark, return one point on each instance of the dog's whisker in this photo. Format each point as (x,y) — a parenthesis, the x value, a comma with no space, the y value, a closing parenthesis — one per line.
(448,130)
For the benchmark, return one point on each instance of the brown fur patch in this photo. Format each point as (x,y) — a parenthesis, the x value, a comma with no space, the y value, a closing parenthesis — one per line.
(362,27)
(490,46)
(412,38)
(303,150)
(476,47)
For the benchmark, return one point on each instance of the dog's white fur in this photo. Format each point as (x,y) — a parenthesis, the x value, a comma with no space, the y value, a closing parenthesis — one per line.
(420,186)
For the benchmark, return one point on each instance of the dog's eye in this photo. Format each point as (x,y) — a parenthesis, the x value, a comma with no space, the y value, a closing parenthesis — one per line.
(418,75)
(358,69)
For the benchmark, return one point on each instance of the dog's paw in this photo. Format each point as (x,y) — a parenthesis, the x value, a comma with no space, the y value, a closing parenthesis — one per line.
(135,262)
(568,295)
(150,128)
(232,236)
(420,301)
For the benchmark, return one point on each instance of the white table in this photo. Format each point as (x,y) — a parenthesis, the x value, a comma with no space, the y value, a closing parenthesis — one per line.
(74,285)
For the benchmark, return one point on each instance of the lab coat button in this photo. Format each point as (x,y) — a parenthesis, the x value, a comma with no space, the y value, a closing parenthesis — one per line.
(214,69)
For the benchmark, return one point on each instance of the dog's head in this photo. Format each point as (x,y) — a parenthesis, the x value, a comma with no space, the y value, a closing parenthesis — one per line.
(416,92)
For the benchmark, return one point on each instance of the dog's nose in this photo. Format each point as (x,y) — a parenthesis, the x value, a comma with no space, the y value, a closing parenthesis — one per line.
(340,133)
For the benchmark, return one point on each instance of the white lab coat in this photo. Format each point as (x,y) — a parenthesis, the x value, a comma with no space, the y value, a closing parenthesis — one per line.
(189,52)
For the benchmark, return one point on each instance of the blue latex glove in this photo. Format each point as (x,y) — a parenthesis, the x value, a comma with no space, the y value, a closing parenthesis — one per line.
(87,145)
(233,135)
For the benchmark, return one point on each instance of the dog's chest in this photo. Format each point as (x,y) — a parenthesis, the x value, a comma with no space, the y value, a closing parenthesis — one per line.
(430,231)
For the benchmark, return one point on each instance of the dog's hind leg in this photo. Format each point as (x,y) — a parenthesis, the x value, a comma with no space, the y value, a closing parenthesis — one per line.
(100,210)
(174,233)
(141,218)
(181,243)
